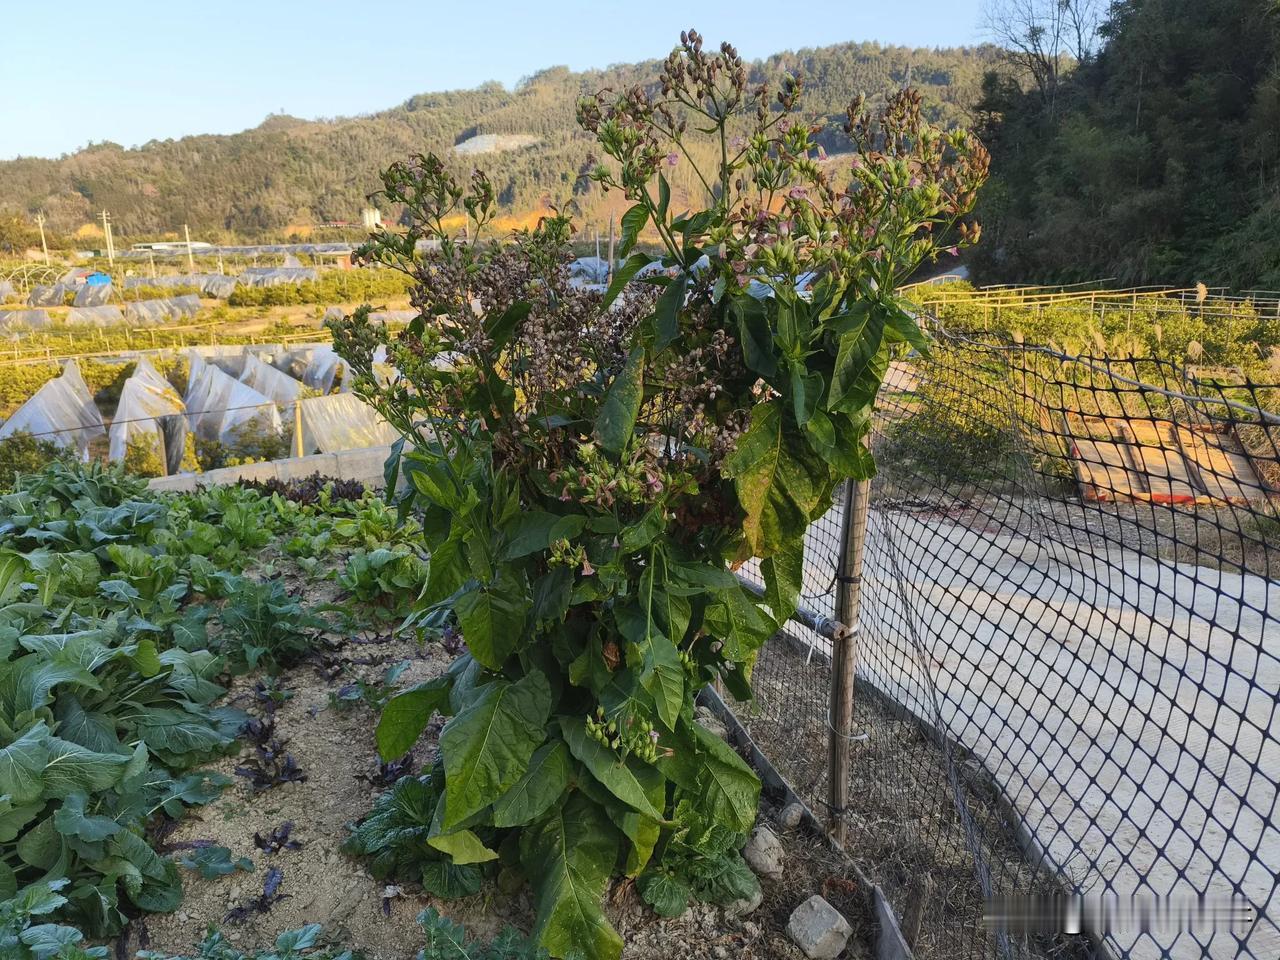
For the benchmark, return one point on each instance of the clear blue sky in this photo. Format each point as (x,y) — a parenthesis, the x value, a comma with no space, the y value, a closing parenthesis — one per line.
(132,71)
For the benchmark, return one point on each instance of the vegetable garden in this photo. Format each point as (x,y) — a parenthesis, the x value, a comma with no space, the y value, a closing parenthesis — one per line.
(578,476)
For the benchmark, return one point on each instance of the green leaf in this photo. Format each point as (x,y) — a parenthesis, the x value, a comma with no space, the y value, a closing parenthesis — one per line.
(179,732)
(739,623)
(41,846)
(22,766)
(535,792)
(304,938)
(463,847)
(668,896)
(729,790)
(616,421)
(665,319)
(407,714)
(622,276)
(858,370)
(73,768)
(783,574)
(71,820)
(213,862)
(449,881)
(662,674)
(13,818)
(50,940)
(569,857)
(607,767)
(664,197)
(500,328)
(633,221)
(905,327)
(536,530)
(778,481)
(492,621)
(487,746)
(758,350)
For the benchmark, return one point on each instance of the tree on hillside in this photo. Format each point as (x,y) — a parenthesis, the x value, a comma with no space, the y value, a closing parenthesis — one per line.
(1157,161)
(1043,38)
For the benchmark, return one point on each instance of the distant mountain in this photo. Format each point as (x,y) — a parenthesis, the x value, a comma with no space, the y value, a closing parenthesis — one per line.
(288,172)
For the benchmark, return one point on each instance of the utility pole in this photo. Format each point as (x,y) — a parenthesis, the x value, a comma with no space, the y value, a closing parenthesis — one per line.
(191,263)
(106,232)
(43,246)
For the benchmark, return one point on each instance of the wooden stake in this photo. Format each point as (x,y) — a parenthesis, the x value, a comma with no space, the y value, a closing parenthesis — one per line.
(609,275)
(297,429)
(853,533)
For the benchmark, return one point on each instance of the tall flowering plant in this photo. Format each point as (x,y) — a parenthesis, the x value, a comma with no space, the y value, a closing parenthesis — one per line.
(590,467)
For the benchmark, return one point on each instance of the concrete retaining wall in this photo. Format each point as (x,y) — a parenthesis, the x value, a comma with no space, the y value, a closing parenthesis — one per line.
(364,465)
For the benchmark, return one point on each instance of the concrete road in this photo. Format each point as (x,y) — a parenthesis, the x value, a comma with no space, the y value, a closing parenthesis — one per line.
(1128,705)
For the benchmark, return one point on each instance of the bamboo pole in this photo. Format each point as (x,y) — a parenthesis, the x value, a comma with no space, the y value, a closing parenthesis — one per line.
(853,534)
(609,276)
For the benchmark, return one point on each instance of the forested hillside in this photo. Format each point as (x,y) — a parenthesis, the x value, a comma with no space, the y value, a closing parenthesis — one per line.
(290,171)
(1156,161)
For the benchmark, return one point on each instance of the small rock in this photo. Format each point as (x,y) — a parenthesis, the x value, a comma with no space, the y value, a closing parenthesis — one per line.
(764,853)
(790,816)
(703,712)
(183,916)
(740,908)
(715,726)
(720,952)
(751,930)
(818,929)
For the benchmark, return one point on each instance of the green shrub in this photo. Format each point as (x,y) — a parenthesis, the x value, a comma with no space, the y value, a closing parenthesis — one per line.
(21,453)
(592,466)
(263,626)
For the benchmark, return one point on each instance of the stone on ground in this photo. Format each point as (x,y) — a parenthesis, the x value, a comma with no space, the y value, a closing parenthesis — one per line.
(790,816)
(818,929)
(764,853)
(747,905)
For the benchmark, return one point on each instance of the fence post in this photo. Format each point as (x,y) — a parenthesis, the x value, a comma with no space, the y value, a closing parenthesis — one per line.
(853,532)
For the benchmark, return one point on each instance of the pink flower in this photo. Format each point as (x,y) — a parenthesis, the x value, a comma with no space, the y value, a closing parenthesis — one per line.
(954,251)
(673,159)
(587,568)
(797,193)
(913,182)
(822,153)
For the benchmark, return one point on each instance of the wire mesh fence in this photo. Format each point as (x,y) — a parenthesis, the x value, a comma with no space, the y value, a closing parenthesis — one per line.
(1068,655)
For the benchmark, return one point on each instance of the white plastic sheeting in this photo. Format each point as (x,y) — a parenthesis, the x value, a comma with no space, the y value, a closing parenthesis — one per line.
(158,311)
(24,319)
(218,405)
(48,296)
(276,276)
(342,421)
(103,316)
(62,411)
(323,369)
(268,381)
(93,295)
(217,285)
(7,292)
(146,396)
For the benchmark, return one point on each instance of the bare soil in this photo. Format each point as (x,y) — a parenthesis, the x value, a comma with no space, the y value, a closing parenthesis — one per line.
(336,751)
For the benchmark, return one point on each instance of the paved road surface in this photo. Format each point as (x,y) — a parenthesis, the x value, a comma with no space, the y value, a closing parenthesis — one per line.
(1128,705)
